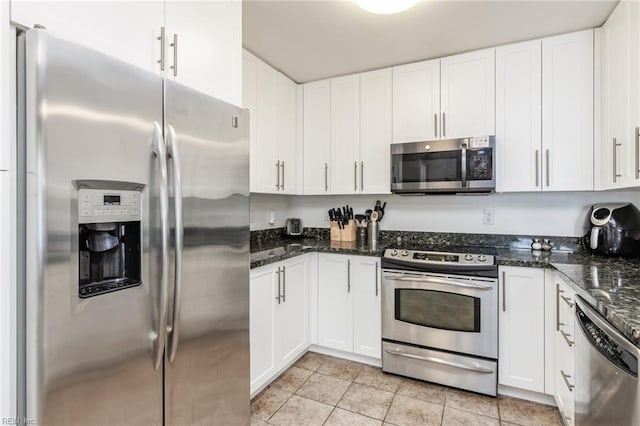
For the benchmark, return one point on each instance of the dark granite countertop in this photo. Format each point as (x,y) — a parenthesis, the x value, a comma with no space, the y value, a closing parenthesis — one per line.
(610,285)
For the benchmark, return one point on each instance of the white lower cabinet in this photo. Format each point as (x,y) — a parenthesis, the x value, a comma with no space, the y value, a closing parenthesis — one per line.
(349,304)
(521,328)
(279,317)
(564,362)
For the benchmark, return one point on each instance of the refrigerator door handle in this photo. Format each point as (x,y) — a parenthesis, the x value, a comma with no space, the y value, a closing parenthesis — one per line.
(173,154)
(160,153)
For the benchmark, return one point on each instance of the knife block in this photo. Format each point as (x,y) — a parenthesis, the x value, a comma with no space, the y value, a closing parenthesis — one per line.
(334,231)
(349,232)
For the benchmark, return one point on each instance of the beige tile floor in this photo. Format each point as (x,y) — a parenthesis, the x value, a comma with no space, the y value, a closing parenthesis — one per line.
(323,390)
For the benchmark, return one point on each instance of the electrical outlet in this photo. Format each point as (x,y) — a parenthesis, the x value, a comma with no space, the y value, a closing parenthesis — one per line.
(488,216)
(272,217)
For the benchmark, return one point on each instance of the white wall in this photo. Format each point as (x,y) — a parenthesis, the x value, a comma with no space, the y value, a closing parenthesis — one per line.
(262,204)
(559,214)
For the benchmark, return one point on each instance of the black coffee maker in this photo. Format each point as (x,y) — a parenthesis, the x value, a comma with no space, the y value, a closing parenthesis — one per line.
(612,230)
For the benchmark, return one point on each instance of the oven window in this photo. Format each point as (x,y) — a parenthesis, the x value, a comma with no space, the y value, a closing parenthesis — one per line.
(438,309)
(427,167)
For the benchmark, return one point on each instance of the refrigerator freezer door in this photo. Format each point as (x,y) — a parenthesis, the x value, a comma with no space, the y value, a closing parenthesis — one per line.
(88,123)
(207,381)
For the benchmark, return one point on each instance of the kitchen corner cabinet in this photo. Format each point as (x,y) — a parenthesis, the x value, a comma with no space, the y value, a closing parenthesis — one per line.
(567,112)
(445,98)
(349,304)
(207,55)
(271,99)
(618,148)
(279,317)
(521,328)
(317,137)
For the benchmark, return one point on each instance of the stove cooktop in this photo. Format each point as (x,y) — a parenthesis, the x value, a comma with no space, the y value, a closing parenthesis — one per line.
(452,259)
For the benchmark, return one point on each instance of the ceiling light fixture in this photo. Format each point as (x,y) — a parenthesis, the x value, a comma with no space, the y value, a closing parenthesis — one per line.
(386,7)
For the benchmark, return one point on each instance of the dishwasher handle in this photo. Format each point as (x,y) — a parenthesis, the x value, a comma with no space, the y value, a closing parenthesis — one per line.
(606,339)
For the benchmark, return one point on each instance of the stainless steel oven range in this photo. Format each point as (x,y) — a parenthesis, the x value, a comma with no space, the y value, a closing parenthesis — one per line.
(440,317)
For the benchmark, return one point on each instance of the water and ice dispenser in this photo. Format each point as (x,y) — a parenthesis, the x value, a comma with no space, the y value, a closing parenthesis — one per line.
(110,249)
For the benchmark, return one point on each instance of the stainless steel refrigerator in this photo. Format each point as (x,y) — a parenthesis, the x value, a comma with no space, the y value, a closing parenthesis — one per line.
(136,241)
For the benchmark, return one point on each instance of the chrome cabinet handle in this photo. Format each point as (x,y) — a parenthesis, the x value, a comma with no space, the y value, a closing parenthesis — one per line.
(558,291)
(567,300)
(284,284)
(376,279)
(435,360)
(504,291)
(362,176)
(615,160)
(173,153)
(435,125)
(547,156)
(434,280)
(326,177)
(159,151)
(348,276)
(282,184)
(537,168)
(278,175)
(444,125)
(278,298)
(566,338)
(355,176)
(162,47)
(637,152)
(566,378)
(175,55)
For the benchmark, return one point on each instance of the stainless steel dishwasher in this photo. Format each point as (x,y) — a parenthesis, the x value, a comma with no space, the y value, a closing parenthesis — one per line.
(607,387)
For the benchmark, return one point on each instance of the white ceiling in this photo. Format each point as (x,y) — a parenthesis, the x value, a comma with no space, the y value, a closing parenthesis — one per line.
(310,40)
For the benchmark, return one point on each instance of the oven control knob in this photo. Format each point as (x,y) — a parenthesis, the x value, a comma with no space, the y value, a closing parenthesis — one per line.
(405,253)
(468,257)
(482,258)
(394,252)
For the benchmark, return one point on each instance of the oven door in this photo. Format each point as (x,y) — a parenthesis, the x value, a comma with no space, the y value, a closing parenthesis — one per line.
(453,313)
(434,166)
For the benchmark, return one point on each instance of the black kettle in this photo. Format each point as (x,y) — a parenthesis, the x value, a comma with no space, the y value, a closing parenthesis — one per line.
(612,230)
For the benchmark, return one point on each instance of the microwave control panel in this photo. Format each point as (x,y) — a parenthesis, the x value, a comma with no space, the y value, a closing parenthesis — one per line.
(105,205)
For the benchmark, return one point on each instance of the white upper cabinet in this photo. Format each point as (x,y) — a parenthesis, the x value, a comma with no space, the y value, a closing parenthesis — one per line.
(208,53)
(317,137)
(416,101)
(249,101)
(204,46)
(265,172)
(567,112)
(287,147)
(633,156)
(467,96)
(519,116)
(345,134)
(125,30)
(375,131)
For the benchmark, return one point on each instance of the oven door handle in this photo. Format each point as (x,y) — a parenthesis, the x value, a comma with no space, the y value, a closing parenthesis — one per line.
(434,360)
(439,281)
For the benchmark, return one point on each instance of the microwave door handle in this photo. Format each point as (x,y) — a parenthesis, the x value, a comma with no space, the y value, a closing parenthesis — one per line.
(464,165)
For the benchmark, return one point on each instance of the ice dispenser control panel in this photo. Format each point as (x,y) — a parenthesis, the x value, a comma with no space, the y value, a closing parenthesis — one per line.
(102,206)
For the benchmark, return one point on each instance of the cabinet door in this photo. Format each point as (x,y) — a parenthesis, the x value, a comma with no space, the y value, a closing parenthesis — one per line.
(266,169)
(616,142)
(262,319)
(249,101)
(316,136)
(286,132)
(521,326)
(128,31)
(567,112)
(633,156)
(292,318)
(365,278)
(335,298)
(208,54)
(416,101)
(518,116)
(345,134)
(375,131)
(467,94)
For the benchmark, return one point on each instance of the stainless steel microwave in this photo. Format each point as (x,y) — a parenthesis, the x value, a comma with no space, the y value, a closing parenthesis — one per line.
(451,166)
